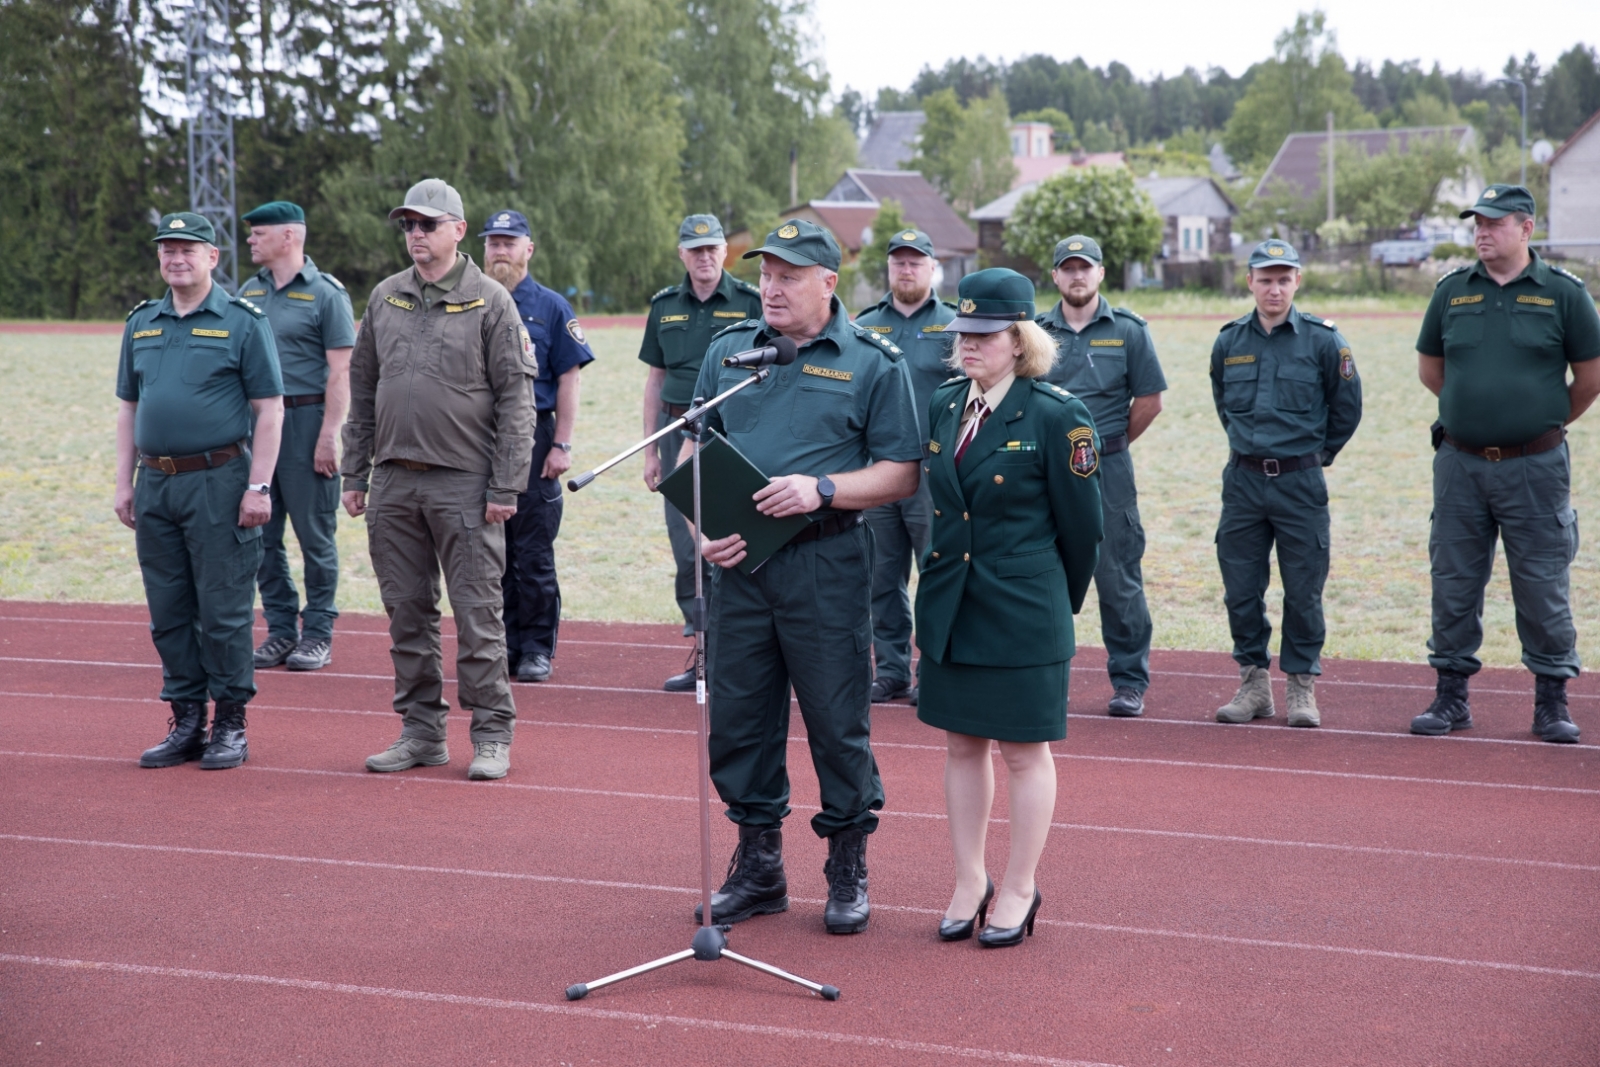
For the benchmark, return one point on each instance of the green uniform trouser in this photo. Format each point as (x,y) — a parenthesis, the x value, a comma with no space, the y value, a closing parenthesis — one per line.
(418,522)
(678,530)
(1527,503)
(900,533)
(802,619)
(1291,511)
(311,502)
(199,569)
(1125,625)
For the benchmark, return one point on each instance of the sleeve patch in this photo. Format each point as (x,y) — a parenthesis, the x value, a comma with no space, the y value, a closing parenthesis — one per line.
(575,331)
(1085,457)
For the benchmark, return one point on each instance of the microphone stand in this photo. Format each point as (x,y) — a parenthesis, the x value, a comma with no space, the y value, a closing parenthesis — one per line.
(710,942)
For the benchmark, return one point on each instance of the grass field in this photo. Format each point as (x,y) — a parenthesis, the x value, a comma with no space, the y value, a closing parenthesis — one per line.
(59,540)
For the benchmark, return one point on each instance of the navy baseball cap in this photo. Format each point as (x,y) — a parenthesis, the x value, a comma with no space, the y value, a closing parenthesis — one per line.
(508,223)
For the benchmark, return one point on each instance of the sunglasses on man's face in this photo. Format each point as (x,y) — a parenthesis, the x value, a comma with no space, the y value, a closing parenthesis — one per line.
(425,225)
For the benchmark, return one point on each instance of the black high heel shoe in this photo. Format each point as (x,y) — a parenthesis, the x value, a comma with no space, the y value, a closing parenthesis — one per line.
(961,929)
(990,937)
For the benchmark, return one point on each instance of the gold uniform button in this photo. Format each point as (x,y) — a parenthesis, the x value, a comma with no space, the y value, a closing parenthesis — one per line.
(937,513)
(966,556)
(999,479)
(936,555)
(965,517)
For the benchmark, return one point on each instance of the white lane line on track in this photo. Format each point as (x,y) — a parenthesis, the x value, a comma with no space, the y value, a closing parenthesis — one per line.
(788,1033)
(341,633)
(1190,835)
(1208,722)
(1136,931)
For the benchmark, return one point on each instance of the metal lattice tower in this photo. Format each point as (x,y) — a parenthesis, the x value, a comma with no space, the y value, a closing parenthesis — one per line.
(206,84)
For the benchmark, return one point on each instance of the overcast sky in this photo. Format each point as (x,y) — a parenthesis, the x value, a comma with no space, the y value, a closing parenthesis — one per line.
(872,43)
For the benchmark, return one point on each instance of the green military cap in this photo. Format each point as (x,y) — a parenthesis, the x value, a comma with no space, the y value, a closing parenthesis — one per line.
(432,198)
(185,226)
(1077,246)
(1274,253)
(1497,201)
(698,231)
(805,244)
(275,213)
(991,301)
(911,237)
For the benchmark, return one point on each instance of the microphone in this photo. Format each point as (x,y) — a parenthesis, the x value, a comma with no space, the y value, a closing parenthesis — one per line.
(781,351)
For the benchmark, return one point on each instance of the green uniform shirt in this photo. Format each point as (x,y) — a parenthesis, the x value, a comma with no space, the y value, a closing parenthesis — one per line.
(921,337)
(309,316)
(843,404)
(1289,393)
(681,327)
(1506,350)
(1105,365)
(194,377)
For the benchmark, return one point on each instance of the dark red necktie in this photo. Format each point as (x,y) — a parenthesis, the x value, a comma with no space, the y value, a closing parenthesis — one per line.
(980,411)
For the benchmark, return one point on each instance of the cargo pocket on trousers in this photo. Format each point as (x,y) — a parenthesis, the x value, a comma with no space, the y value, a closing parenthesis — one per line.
(248,560)
(1568,518)
(483,554)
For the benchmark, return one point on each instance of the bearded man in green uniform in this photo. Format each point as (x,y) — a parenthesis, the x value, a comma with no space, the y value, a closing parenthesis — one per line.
(1288,395)
(913,318)
(197,369)
(1495,346)
(683,319)
(1108,362)
(312,324)
(836,434)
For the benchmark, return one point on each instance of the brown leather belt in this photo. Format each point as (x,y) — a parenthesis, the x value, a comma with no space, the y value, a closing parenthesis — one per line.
(1110,446)
(412,464)
(185,464)
(1495,453)
(303,400)
(674,411)
(836,523)
(1272,467)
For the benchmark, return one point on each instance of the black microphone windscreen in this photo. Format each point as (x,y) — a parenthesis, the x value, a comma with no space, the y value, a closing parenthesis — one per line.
(787,350)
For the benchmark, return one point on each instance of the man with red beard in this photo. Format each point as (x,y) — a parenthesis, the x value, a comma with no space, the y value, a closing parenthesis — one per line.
(1107,361)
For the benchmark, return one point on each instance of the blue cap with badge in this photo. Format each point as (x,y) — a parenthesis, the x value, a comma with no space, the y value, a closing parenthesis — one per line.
(506,223)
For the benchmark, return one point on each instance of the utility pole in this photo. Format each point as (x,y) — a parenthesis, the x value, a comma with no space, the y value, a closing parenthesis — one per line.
(206,81)
(1330,166)
(1520,84)
(794,174)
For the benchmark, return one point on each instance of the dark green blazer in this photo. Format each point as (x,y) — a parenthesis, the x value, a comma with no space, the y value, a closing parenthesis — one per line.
(1016,528)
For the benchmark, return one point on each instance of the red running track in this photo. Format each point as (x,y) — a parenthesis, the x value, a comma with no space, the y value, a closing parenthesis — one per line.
(1232,895)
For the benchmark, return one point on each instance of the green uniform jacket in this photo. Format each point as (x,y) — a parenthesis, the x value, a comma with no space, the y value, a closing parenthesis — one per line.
(1016,529)
(1106,364)
(680,330)
(922,338)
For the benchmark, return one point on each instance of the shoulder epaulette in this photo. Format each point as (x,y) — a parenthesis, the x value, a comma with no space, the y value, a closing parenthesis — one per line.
(1449,274)
(665,292)
(337,284)
(1567,274)
(890,349)
(248,306)
(136,307)
(951,304)
(1231,323)
(1135,316)
(742,324)
(961,379)
(747,287)
(1050,389)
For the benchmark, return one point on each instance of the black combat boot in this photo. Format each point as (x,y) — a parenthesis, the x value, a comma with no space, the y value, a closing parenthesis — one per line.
(756,883)
(227,747)
(187,739)
(846,870)
(1550,718)
(1450,709)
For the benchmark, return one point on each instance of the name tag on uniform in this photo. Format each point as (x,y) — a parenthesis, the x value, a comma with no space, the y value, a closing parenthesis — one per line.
(403,305)
(138,334)
(1234,361)
(254,292)
(673,318)
(827,372)
(296,296)
(209,333)
(933,329)
(451,309)
(1115,342)
(1019,446)
(881,329)
(1542,301)
(1457,301)
(726,315)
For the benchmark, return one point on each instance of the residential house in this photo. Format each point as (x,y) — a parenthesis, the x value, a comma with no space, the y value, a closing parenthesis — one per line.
(1575,193)
(1301,165)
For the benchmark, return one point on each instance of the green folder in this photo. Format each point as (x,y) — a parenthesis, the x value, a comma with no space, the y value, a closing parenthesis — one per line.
(727,482)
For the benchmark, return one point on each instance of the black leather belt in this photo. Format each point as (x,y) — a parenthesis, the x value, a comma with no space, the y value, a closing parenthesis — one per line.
(303,400)
(1495,453)
(185,464)
(1273,467)
(1110,446)
(836,523)
(674,411)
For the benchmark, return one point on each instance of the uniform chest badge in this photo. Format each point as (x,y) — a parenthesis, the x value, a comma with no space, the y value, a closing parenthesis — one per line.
(1085,458)
(1347,364)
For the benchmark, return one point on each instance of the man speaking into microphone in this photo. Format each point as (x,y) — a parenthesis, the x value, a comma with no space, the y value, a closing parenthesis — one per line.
(836,432)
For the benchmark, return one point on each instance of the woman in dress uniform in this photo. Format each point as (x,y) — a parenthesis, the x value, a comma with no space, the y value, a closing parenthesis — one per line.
(1013,468)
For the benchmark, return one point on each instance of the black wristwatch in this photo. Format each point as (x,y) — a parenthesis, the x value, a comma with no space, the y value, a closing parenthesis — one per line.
(825,487)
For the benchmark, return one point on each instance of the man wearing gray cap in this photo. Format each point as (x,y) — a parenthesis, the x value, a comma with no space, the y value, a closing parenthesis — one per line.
(441,435)
(683,319)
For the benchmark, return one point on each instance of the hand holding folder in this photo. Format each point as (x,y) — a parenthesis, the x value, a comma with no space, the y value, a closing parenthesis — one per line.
(728,482)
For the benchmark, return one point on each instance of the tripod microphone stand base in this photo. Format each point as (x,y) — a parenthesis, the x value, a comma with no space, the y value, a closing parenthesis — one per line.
(710,943)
